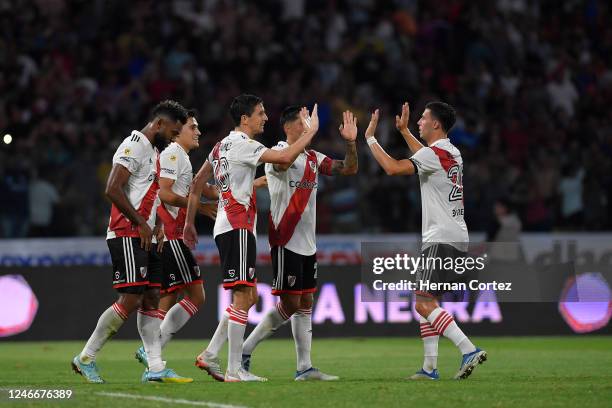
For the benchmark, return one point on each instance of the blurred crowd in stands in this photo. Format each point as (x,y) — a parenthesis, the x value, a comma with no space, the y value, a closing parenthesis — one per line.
(531,81)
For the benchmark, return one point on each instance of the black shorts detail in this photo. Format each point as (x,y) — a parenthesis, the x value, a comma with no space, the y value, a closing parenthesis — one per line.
(133,267)
(293,273)
(179,266)
(238,252)
(434,272)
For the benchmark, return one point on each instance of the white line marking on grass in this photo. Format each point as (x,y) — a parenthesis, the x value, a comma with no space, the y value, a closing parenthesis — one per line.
(168,400)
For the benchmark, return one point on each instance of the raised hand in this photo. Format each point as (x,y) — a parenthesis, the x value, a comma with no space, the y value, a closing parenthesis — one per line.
(401,122)
(373,124)
(348,129)
(311,123)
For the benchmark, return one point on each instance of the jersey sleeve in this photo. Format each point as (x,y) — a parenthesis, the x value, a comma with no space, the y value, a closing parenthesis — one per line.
(168,165)
(129,154)
(425,160)
(249,152)
(325,164)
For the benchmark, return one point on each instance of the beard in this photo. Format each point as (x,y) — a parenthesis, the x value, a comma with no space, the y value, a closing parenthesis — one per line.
(160,142)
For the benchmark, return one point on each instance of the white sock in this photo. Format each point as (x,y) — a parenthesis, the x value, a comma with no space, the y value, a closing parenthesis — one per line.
(301,326)
(445,325)
(430,345)
(176,318)
(108,324)
(218,339)
(274,319)
(148,323)
(235,336)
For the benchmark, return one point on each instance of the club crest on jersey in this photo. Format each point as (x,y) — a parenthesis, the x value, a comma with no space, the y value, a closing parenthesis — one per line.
(172,276)
(196,270)
(143,272)
(251,273)
(313,166)
(232,273)
(291,280)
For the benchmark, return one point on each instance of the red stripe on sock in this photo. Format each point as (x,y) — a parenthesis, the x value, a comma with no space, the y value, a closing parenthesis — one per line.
(443,329)
(305,311)
(189,308)
(120,310)
(423,335)
(238,312)
(162,313)
(443,323)
(238,319)
(151,313)
(440,316)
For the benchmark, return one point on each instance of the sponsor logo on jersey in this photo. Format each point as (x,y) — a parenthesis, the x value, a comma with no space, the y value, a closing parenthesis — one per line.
(291,280)
(316,270)
(173,157)
(127,151)
(303,184)
(259,149)
(169,171)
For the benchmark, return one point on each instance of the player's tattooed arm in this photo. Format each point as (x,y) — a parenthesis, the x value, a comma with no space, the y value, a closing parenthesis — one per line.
(391,166)
(401,124)
(117,179)
(348,131)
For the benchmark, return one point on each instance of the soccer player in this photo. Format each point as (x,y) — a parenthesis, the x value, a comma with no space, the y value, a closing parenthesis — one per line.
(132,188)
(180,272)
(440,169)
(293,191)
(233,161)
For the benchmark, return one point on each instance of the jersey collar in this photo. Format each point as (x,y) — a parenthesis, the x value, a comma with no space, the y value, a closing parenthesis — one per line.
(239,133)
(438,141)
(142,137)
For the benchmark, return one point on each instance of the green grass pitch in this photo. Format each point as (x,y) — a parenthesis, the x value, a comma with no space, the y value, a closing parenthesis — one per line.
(521,371)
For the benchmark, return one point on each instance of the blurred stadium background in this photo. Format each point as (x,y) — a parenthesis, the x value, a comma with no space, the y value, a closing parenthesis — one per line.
(531,81)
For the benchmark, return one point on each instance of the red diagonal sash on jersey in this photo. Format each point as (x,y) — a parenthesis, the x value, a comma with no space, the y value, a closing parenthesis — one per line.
(446,159)
(279,236)
(121,225)
(238,216)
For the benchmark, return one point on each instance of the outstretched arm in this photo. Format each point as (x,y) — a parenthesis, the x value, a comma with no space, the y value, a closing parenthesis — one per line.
(401,124)
(391,166)
(348,130)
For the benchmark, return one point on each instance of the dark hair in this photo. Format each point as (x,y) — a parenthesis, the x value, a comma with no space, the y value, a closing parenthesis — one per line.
(289,114)
(243,105)
(172,109)
(192,113)
(444,113)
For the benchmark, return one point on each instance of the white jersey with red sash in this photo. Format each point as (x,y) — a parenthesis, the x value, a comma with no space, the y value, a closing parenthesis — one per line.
(141,159)
(235,160)
(440,169)
(175,165)
(293,195)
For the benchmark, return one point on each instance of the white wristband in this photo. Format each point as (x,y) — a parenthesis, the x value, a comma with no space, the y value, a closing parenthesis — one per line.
(371,140)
